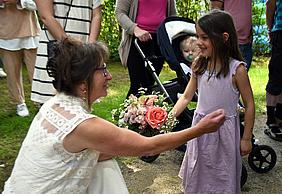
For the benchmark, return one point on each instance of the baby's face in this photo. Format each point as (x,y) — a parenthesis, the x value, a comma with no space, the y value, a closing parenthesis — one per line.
(190,50)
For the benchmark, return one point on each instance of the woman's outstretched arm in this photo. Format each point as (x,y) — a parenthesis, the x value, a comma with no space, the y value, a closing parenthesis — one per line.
(103,136)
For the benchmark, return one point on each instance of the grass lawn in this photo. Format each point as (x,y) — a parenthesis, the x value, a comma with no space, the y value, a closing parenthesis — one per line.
(13,128)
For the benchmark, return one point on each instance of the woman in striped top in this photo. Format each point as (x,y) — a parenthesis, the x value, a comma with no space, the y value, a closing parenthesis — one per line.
(80,19)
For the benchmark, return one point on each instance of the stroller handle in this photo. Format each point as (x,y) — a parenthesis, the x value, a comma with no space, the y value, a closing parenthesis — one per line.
(149,65)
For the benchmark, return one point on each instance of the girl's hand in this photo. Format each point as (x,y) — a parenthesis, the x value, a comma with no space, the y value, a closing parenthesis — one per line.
(142,35)
(245,147)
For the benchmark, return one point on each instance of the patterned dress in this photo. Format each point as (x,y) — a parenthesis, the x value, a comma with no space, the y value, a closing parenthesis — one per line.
(45,166)
(77,26)
(212,162)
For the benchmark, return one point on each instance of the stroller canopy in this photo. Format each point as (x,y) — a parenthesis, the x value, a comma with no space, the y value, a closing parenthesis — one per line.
(170,33)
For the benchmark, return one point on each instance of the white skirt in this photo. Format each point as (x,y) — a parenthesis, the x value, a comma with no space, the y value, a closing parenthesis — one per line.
(107,179)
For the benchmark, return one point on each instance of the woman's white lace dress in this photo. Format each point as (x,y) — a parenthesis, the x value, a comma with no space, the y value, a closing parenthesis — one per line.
(44,166)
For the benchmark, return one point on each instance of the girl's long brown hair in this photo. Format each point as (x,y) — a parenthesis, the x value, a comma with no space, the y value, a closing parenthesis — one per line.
(214,24)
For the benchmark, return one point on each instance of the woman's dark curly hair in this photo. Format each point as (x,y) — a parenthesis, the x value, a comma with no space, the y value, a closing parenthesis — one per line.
(74,62)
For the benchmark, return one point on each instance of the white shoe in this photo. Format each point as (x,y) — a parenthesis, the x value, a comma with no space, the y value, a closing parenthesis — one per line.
(2,73)
(22,110)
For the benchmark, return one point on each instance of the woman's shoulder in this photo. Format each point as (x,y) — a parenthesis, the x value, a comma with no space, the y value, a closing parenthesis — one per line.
(66,105)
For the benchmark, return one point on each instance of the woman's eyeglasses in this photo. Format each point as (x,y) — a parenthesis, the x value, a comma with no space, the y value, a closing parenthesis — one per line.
(105,70)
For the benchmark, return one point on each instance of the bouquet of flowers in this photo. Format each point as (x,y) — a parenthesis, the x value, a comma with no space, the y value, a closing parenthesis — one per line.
(146,114)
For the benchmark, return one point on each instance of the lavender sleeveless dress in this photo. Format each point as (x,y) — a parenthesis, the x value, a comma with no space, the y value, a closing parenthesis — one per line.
(212,162)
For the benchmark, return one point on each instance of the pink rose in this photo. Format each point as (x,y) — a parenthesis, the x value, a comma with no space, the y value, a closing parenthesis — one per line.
(148,100)
(156,117)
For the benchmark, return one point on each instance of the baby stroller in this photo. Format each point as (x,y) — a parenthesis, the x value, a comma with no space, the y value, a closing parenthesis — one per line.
(170,33)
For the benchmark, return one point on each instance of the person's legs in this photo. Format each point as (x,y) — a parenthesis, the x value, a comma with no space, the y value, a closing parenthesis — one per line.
(139,75)
(278,110)
(274,84)
(13,65)
(271,102)
(274,115)
(29,60)
(247,52)
(136,70)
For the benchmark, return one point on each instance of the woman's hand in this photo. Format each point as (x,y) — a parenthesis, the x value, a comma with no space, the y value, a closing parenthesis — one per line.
(142,35)
(211,122)
(245,146)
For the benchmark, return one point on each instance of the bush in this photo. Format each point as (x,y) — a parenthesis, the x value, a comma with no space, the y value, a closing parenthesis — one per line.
(110,30)
(260,36)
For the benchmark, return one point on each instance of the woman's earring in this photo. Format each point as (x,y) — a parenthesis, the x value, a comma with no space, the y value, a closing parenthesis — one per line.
(84,95)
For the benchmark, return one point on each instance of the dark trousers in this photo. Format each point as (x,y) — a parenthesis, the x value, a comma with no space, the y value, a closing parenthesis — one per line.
(274,85)
(247,52)
(139,75)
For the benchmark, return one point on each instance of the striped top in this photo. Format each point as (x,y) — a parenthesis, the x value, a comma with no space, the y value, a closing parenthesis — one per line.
(277,25)
(78,25)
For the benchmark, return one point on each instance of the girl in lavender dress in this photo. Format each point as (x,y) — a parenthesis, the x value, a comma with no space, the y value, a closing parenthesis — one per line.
(212,162)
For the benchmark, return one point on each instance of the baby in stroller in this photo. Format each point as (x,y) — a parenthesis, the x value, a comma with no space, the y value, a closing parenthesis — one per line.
(189,50)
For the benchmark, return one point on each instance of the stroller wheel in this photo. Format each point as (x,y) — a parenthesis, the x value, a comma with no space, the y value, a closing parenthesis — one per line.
(244,176)
(262,158)
(149,159)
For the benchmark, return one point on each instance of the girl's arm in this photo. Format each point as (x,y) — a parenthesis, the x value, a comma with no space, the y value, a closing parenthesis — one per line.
(105,137)
(244,87)
(46,13)
(95,24)
(183,101)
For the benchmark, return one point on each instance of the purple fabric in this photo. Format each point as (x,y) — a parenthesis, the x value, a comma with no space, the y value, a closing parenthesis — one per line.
(212,162)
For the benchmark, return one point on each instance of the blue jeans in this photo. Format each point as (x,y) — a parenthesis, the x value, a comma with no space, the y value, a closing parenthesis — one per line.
(247,52)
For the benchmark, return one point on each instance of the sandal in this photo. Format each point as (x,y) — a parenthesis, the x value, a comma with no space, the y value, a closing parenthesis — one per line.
(274,132)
